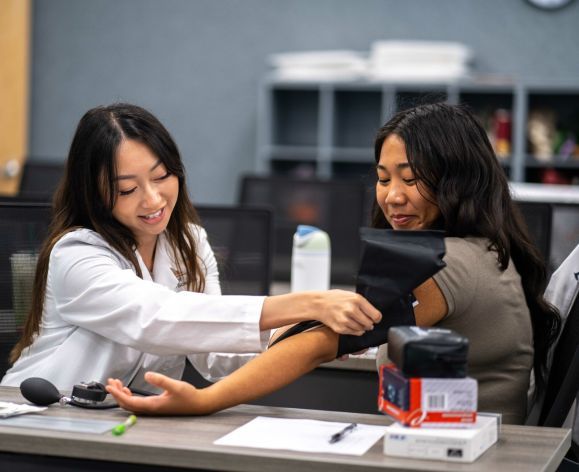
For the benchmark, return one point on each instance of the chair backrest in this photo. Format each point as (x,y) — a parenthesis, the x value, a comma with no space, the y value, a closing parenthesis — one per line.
(565,231)
(563,384)
(335,206)
(39,179)
(23,227)
(539,218)
(242,240)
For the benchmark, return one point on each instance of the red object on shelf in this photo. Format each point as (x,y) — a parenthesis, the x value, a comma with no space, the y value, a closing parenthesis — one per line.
(553,176)
(502,132)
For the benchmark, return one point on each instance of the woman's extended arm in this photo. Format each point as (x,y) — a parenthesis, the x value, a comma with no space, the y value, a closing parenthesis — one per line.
(272,370)
(343,311)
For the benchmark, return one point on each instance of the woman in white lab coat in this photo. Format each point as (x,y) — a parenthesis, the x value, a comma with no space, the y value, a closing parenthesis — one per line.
(127,282)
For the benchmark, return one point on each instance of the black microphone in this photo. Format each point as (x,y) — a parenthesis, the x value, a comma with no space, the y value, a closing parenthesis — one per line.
(40,391)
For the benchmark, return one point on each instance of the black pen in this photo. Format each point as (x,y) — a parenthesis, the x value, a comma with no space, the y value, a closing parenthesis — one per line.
(342,434)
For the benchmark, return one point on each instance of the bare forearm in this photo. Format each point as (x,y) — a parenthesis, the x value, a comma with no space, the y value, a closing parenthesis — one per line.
(287,309)
(343,311)
(272,370)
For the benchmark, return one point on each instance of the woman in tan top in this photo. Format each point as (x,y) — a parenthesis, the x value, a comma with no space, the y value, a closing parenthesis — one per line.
(436,170)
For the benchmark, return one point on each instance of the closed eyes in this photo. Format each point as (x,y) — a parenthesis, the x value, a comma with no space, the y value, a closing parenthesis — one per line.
(157,179)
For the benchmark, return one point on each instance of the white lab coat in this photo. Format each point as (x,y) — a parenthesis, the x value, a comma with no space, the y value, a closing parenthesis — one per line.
(101,320)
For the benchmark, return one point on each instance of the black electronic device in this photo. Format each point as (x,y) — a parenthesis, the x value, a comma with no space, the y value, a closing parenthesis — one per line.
(428,352)
(84,395)
(91,395)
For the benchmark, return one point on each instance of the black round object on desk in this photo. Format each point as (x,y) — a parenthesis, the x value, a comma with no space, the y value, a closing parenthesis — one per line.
(39,391)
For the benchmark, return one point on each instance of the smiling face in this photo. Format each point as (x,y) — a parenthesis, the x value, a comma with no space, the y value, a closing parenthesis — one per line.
(405,203)
(147,192)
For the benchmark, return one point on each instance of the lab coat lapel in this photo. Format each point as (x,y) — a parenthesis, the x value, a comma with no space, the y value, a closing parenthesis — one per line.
(143,267)
(164,266)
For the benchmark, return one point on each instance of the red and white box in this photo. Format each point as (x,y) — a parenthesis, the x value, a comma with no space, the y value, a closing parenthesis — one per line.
(427,402)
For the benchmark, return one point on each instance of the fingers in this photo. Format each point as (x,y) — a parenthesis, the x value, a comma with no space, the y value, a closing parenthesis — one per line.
(351,326)
(130,402)
(135,404)
(117,385)
(369,310)
(166,383)
(355,318)
(363,320)
(346,326)
(121,394)
(363,313)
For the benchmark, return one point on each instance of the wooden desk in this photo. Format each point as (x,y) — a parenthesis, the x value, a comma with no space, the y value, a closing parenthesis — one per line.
(188,443)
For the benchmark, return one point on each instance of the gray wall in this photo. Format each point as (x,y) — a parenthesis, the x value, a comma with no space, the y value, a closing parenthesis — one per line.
(196,64)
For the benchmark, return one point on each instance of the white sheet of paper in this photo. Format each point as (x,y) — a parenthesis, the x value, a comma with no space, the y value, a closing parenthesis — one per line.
(302,435)
(8,409)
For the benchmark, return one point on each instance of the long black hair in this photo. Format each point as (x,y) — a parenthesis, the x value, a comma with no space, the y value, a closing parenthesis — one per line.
(88,191)
(450,155)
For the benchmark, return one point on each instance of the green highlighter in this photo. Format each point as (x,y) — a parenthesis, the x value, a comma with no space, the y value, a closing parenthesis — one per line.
(121,428)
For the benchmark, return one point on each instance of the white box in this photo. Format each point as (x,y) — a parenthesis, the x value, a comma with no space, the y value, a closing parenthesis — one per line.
(445,444)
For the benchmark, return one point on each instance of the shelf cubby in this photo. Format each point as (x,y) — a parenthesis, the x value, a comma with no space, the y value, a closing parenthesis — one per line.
(327,128)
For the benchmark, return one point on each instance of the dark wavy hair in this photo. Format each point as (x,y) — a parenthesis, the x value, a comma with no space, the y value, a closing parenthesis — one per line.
(450,155)
(88,191)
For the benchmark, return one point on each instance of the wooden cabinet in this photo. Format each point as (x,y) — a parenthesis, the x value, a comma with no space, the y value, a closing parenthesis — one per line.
(15,19)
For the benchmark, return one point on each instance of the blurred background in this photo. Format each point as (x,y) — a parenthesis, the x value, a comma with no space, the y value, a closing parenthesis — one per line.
(276,102)
(198,64)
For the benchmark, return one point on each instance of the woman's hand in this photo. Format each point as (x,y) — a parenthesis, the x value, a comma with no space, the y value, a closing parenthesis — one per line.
(346,312)
(178,398)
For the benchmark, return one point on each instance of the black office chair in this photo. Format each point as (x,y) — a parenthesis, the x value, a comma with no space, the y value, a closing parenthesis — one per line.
(563,381)
(23,227)
(539,219)
(563,385)
(40,179)
(335,206)
(242,240)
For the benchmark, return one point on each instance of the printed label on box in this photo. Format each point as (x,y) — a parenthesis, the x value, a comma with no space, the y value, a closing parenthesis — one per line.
(448,444)
(427,402)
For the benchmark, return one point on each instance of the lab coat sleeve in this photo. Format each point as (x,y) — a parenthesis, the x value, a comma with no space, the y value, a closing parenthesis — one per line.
(92,290)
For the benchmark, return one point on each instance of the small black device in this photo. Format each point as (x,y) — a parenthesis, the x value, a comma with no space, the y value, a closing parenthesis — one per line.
(91,395)
(428,352)
(84,395)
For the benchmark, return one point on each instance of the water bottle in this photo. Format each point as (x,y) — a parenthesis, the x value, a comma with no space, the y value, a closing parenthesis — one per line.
(310,259)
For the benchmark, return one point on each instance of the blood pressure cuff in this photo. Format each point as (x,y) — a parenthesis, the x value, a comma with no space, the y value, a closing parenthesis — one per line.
(428,352)
(393,263)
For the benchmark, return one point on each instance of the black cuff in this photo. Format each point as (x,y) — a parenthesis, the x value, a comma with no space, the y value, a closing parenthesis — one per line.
(400,313)
(297,328)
